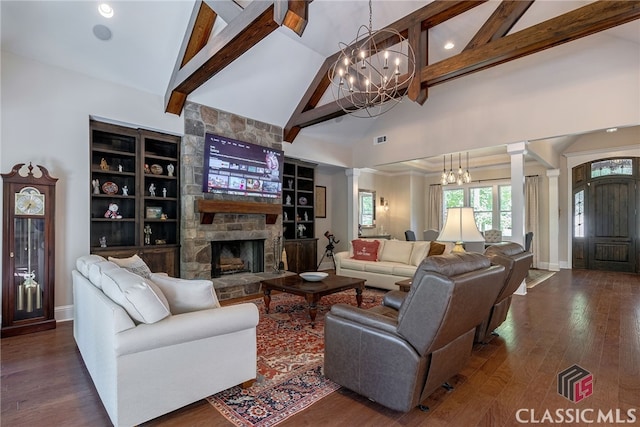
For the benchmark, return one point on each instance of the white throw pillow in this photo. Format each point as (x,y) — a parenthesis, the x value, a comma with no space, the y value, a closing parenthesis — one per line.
(397,251)
(134,264)
(96,270)
(185,295)
(84,262)
(140,297)
(419,252)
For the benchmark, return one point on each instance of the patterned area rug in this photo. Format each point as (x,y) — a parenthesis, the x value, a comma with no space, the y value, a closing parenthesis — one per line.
(536,277)
(290,361)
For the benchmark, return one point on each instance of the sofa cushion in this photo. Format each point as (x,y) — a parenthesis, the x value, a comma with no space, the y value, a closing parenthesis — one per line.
(134,264)
(352,264)
(365,250)
(397,251)
(185,296)
(455,263)
(404,270)
(96,270)
(382,267)
(419,252)
(84,262)
(436,248)
(139,296)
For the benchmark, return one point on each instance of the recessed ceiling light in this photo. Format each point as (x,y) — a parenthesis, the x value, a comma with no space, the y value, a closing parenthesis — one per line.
(612,130)
(449,45)
(105,10)
(102,32)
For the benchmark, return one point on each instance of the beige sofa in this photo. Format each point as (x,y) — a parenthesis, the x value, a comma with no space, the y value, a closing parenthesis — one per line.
(397,260)
(155,344)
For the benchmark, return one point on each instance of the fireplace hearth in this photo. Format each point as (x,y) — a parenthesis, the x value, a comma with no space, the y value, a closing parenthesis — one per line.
(230,257)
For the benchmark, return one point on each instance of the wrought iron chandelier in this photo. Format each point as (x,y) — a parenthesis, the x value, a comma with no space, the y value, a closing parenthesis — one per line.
(451,177)
(373,72)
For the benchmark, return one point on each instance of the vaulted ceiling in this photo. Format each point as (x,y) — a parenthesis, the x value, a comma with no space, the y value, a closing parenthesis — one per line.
(250,59)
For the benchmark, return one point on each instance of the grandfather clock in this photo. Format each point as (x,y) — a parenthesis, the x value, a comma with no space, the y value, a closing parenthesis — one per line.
(28,251)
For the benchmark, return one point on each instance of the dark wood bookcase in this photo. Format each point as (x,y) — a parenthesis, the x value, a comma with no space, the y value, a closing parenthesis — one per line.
(146,164)
(298,215)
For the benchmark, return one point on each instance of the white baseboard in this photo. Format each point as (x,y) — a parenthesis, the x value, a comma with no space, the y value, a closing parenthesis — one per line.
(63,313)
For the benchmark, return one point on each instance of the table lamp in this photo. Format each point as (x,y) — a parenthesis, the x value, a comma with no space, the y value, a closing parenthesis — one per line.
(459,228)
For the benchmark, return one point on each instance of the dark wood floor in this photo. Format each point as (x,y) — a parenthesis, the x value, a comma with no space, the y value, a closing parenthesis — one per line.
(579,317)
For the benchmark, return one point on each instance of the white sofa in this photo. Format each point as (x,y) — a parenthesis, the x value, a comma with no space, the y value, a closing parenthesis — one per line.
(144,370)
(397,260)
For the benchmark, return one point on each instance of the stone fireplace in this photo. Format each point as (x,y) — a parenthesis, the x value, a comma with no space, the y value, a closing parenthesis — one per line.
(224,223)
(236,257)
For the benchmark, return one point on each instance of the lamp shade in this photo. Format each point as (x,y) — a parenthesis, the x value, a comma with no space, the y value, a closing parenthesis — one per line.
(460,227)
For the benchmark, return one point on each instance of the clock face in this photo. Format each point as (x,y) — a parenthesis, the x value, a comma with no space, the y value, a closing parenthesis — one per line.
(29,201)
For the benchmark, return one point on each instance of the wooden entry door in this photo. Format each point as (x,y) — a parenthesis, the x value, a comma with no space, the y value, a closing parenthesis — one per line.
(611,225)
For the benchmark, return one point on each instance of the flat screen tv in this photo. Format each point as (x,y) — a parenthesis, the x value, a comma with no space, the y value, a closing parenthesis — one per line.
(241,168)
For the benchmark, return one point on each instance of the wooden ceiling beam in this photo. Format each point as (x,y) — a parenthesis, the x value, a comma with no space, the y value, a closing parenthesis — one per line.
(592,18)
(225,9)
(293,14)
(436,12)
(256,22)
(200,32)
(500,22)
(418,41)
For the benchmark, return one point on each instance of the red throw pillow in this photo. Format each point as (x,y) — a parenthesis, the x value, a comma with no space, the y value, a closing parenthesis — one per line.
(365,250)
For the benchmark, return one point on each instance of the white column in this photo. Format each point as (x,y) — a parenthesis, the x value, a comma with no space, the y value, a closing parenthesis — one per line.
(554,220)
(517,151)
(352,203)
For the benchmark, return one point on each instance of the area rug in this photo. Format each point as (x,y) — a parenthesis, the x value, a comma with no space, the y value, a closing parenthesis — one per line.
(290,361)
(535,277)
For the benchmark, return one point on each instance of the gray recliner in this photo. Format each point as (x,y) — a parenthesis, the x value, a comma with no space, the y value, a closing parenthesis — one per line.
(399,353)
(517,263)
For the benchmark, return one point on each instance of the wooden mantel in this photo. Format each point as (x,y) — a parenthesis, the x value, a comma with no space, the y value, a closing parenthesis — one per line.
(209,208)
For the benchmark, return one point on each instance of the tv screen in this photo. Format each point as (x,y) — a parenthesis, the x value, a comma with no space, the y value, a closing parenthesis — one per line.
(241,168)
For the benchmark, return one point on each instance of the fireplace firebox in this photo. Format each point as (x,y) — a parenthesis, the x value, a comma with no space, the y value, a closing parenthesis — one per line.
(237,256)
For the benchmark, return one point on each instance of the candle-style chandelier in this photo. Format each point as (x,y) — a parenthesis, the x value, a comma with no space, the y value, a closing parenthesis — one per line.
(451,177)
(373,72)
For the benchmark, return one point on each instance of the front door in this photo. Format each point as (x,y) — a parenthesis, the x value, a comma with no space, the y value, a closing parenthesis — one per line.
(606,231)
(611,225)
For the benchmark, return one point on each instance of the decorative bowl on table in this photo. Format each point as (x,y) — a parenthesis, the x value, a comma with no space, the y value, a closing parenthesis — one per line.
(313,276)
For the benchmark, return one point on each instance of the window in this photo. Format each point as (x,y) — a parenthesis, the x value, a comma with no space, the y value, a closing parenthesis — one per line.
(578,214)
(491,205)
(482,204)
(611,167)
(367,208)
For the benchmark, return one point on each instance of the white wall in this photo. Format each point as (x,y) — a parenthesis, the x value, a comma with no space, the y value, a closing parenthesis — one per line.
(45,120)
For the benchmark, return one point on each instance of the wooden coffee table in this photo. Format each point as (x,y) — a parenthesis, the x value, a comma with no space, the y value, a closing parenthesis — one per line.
(311,291)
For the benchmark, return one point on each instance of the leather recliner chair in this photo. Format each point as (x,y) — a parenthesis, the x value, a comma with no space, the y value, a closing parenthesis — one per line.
(399,353)
(517,263)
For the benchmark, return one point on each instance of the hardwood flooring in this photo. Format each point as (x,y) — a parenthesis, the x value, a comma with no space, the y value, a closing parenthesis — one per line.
(589,318)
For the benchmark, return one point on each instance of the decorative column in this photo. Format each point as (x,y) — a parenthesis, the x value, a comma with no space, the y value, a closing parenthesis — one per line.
(554,219)
(517,151)
(352,203)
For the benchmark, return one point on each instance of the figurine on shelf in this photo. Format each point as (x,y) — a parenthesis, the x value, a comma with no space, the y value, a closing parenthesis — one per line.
(170,169)
(163,216)
(146,168)
(152,190)
(119,168)
(96,186)
(164,192)
(112,212)
(147,234)
(306,216)
(103,241)
(125,190)
(290,182)
(301,230)
(288,200)
(286,217)
(104,165)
